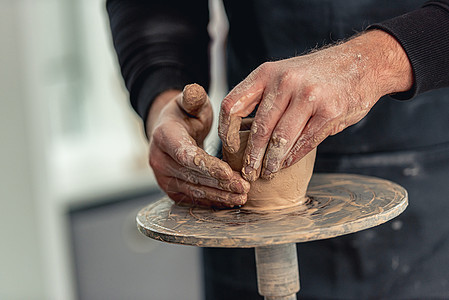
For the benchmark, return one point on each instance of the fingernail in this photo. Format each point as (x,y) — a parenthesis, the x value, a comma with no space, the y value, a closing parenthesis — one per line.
(248,170)
(287,162)
(266,173)
(249,173)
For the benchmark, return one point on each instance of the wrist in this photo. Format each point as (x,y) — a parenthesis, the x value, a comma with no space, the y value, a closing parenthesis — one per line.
(388,69)
(156,108)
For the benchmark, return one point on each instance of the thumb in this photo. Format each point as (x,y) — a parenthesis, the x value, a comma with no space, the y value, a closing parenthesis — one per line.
(194,97)
(195,103)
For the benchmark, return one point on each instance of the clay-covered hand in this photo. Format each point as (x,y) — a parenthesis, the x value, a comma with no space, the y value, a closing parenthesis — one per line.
(304,99)
(177,126)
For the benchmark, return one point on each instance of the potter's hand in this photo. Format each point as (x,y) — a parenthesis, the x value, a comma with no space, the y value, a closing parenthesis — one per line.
(177,125)
(304,99)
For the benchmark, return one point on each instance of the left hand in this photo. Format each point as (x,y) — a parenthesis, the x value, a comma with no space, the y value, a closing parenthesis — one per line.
(177,125)
(303,100)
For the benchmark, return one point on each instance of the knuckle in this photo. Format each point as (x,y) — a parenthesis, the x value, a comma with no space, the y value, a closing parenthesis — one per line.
(336,109)
(227,104)
(159,134)
(278,107)
(264,67)
(310,90)
(190,177)
(181,155)
(198,193)
(155,159)
(280,137)
(260,131)
(288,77)
(154,163)
(312,94)
(266,104)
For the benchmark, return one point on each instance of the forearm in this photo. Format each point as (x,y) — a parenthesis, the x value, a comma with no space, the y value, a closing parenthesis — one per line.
(161,45)
(381,62)
(424,36)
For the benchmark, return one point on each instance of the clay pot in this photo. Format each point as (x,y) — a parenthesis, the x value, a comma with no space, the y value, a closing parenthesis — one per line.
(288,188)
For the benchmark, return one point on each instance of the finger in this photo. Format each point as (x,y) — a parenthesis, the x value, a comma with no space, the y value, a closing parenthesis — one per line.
(183,200)
(271,109)
(196,192)
(164,165)
(317,129)
(195,103)
(176,142)
(286,133)
(240,102)
(193,98)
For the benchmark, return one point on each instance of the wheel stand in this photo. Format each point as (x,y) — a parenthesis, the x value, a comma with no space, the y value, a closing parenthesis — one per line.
(337,204)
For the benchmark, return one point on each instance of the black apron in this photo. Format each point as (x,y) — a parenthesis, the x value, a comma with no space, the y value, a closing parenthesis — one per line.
(406,142)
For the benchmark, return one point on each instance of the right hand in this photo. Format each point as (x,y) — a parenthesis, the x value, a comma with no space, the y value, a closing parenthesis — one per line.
(182,168)
(304,99)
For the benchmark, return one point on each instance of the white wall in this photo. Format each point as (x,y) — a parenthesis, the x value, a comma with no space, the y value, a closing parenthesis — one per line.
(55,150)
(21,248)
(67,134)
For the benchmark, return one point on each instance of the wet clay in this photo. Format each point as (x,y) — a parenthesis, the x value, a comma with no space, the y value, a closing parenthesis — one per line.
(193,98)
(288,188)
(338,204)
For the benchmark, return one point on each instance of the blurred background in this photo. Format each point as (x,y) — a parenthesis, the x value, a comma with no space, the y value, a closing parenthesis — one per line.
(73,162)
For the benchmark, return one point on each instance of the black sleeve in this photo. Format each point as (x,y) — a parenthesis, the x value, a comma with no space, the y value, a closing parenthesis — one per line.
(161,45)
(424,35)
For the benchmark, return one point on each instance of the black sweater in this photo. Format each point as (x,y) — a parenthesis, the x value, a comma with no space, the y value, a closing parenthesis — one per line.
(164,44)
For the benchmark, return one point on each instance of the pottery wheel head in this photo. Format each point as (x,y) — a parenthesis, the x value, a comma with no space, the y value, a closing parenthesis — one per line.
(337,204)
